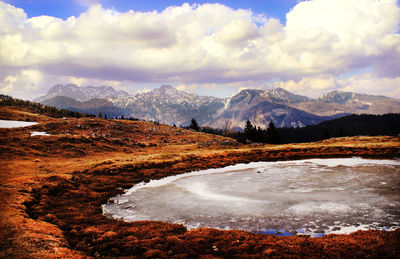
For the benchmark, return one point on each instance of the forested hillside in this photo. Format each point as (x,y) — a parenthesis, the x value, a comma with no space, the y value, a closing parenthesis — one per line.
(352,125)
(41,108)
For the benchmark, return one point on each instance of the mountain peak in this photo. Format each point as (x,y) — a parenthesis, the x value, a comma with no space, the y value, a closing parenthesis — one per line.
(250,91)
(280,89)
(166,88)
(82,93)
(281,95)
(338,97)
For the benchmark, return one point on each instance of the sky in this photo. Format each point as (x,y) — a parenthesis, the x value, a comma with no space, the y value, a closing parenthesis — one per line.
(206,47)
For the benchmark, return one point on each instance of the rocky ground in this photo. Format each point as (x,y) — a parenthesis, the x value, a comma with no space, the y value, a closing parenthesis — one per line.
(52,188)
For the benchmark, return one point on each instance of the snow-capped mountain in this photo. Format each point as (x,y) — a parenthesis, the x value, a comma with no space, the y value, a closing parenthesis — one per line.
(169,105)
(280,95)
(261,107)
(347,102)
(82,93)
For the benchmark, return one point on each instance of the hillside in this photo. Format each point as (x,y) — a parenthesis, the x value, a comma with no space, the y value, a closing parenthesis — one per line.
(260,109)
(53,186)
(352,125)
(93,106)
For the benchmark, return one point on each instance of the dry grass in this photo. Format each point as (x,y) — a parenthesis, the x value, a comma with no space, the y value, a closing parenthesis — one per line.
(52,188)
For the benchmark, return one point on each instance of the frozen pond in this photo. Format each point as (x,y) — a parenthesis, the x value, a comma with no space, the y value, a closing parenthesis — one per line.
(316,196)
(15,124)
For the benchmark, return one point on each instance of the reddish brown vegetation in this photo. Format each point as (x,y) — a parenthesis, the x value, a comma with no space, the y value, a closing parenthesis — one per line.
(53,187)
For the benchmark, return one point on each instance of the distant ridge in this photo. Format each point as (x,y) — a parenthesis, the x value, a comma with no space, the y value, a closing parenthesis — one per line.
(93,106)
(169,105)
(82,93)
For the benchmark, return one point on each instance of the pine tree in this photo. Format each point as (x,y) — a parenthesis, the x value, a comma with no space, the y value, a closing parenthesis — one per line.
(272,134)
(341,132)
(248,127)
(325,133)
(194,125)
(250,131)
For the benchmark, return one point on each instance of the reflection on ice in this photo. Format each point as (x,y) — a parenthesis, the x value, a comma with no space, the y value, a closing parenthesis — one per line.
(315,196)
(15,124)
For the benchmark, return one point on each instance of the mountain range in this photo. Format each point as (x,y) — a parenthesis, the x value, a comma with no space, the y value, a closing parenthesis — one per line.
(171,106)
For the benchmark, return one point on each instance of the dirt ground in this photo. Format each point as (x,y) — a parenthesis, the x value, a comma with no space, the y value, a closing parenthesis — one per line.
(52,188)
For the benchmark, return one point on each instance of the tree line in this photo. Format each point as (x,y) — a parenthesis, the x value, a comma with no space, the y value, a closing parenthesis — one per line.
(347,126)
(250,134)
(51,111)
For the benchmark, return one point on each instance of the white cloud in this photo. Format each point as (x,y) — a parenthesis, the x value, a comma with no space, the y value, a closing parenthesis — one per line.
(144,90)
(88,2)
(209,44)
(187,88)
(372,84)
(22,83)
(367,83)
(309,86)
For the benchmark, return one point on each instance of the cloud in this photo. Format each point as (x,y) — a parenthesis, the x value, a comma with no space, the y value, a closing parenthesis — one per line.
(22,83)
(87,2)
(187,88)
(368,83)
(206,44)
(372,84)
(314,86)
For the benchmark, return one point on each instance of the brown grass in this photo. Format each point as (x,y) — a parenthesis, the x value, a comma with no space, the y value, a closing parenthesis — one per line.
(52,188)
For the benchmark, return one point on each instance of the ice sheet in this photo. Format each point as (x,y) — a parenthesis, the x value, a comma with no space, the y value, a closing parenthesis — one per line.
(316,196)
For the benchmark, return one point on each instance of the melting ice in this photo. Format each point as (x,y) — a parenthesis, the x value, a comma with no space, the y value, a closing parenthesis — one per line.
(315,196)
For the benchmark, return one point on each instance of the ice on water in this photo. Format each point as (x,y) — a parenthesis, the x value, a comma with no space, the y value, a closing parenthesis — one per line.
(306,196)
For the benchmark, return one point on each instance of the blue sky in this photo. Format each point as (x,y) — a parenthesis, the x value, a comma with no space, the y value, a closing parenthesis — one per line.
(66,8)
(205,47)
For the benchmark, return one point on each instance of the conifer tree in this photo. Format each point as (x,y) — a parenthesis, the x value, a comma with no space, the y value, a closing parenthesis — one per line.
(248,128)
(272,134)
(194,125)
(325,133)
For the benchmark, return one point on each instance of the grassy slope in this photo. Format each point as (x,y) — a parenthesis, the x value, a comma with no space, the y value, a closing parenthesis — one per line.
(52,188)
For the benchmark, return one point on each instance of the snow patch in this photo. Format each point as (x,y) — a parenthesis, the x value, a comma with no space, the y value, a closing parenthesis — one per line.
(39,133)
(7,124)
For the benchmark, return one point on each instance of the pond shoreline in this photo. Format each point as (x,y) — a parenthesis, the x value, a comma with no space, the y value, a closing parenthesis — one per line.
(95,234)
(320,195)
